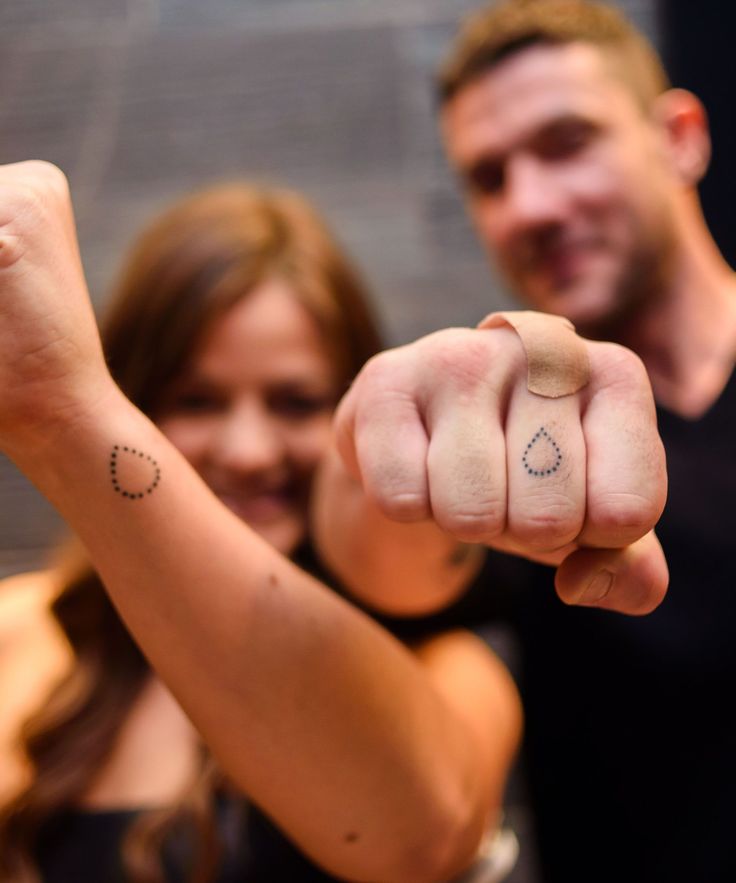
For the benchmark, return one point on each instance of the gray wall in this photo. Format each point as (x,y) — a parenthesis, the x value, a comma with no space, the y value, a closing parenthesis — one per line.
(139,100)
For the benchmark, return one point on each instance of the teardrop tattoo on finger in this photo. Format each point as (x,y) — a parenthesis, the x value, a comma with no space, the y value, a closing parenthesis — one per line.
(542,456)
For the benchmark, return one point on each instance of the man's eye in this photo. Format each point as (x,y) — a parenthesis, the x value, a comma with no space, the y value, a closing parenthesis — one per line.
(484,178)
(561,142)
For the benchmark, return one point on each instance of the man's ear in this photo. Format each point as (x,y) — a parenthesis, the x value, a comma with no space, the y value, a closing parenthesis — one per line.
(684,124)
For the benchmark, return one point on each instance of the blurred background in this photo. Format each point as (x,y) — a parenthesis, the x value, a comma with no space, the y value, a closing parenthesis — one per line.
(141,100)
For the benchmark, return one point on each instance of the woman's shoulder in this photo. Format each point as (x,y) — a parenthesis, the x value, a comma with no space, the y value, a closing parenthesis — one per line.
(25,611)
(33,657)
(25,597)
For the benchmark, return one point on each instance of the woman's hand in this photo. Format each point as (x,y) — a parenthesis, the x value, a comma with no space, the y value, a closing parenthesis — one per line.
(51,362)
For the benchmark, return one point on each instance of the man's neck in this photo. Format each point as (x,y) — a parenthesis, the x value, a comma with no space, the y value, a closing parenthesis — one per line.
(687,337)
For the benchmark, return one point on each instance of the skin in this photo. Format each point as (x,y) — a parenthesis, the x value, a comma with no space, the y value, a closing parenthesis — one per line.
(276,671)
(438,429)
(252,412)
(566,180)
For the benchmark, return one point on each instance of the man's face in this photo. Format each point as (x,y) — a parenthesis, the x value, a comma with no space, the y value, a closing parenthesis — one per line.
(567,181)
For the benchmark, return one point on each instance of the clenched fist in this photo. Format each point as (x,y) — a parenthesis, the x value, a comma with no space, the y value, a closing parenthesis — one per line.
(51,361)
(446,428)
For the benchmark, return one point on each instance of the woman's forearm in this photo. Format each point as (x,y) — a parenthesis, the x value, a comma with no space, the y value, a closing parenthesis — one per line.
(318,714)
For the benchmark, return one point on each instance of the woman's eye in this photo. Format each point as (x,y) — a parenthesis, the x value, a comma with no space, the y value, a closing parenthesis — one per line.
(296,405)
(195,403)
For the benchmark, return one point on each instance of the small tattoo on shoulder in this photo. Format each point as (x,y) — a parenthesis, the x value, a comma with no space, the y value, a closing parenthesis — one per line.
(542,455)
(128,479)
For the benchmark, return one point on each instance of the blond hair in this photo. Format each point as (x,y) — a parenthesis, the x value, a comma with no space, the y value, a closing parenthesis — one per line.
(495,32)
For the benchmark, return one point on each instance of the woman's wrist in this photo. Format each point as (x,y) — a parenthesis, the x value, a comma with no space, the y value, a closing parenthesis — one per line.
(63,429)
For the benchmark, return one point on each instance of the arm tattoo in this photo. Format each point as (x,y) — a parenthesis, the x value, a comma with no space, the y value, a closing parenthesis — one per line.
(136,482)
(544,459)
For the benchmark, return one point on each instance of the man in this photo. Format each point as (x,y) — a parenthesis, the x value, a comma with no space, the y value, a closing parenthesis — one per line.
(580,166)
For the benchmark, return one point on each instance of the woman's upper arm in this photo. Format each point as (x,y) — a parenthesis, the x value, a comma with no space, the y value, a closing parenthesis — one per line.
(481,692)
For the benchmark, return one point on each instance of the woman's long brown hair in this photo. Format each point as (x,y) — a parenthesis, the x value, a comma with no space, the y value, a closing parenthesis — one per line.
(194,262)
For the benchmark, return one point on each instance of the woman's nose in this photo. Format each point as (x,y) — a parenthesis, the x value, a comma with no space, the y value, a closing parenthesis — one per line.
(249,440)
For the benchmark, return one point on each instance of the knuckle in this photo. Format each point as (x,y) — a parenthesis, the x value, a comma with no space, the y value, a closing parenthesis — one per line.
(399,491)
(462,359)
(472,524)
(375,368)
(626,514)
(401,506)
(548,525)
(47,175)
(29,198)
(11,249)
(618,366)
(383,377)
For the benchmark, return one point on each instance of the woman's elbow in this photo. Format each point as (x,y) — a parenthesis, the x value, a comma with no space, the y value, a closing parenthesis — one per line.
(444,845)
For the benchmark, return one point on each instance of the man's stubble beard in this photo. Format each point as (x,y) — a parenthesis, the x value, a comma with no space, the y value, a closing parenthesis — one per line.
(644,283)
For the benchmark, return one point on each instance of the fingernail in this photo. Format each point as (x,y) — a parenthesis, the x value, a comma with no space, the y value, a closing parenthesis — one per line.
(597,588)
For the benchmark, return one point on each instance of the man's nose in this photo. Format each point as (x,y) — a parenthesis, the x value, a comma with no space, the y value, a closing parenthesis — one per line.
(249,440)
(532,199)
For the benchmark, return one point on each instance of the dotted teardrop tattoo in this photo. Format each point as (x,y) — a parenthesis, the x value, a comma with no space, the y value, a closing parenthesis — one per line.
(545,460)
(122,456)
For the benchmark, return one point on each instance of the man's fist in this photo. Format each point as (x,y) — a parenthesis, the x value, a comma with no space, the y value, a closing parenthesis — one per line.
(446,428)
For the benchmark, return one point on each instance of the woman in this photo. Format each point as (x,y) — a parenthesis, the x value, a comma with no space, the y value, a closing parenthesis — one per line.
(236,327)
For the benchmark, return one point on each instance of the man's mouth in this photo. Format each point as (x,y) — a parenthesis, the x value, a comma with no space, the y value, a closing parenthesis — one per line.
(562,262)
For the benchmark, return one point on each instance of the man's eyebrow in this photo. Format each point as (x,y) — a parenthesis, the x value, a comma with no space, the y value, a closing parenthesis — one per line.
(553,125)
(562,123)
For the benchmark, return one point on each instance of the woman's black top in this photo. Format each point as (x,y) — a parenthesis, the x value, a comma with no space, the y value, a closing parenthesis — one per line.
(84,846)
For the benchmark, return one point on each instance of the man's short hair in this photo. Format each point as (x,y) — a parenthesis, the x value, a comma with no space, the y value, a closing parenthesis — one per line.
(497,31)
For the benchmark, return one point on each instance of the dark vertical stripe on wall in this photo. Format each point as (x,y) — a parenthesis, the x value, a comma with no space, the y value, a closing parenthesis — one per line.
(699,47)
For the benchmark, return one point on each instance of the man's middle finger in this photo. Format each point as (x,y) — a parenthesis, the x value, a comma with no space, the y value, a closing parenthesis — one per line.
(546,470)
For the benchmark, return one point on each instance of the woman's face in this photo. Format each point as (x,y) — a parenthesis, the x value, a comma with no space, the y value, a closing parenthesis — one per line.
(252,411)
